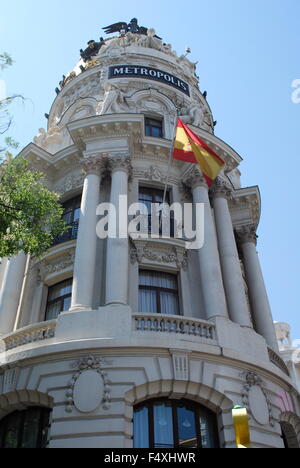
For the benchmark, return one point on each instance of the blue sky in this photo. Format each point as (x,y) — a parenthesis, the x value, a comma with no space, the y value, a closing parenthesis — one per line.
(248,53)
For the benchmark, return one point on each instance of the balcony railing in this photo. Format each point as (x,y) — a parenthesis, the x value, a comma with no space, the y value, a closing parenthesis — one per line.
(68,235)
(31,334)
(175,325)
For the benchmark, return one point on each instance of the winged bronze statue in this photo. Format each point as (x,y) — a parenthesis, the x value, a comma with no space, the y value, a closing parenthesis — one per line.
(132,27)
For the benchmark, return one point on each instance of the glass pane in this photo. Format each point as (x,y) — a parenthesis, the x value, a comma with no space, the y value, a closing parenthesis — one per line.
(208,430)
(163,425)
(31,429)
(54,310)
(76,214)
(147,301)
(12,430)
(186,428)
(169,303)
(158,279)
(60,290)
(67,304)
(141,428)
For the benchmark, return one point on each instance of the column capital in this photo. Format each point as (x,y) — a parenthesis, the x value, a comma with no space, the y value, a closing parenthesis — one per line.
(247,234)
(119,162)
(93,164)
(194,179)
(221,189)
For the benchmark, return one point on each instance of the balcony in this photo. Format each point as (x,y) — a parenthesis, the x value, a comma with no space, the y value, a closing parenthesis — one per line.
(68,235)
(175,326)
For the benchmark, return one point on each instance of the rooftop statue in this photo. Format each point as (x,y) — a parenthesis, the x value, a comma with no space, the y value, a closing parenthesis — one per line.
(132,27)
(92,49)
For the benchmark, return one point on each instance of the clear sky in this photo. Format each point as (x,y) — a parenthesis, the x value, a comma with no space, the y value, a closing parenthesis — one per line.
(248,53)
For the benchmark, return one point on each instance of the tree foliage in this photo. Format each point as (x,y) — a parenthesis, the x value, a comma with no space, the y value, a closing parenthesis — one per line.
(30,215)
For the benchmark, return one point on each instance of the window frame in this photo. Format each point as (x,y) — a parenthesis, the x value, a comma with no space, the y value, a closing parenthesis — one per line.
(154,118)
(157,192)
(58,299)
(175,404)
(72,233)
(159,289)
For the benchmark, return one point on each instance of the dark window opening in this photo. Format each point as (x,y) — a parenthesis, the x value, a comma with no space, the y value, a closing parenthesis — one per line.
(158,293)
(150,196)
(25,429)
(59,299)
(174,424)
(153,127)
(71,217)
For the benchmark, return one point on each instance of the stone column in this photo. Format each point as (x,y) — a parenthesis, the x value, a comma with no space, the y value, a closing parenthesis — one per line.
(85,255)
(230,263)
(3,263)
(257,290)
(11,292)
(118,248)
(209,262)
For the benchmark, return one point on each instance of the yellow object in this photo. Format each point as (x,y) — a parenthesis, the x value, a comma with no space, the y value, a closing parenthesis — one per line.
(241,427)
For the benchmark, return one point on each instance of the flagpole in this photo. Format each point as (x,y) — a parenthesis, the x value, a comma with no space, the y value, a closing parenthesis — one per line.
(170,161)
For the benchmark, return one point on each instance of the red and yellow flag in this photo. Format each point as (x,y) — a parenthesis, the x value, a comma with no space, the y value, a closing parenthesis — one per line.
(190,148)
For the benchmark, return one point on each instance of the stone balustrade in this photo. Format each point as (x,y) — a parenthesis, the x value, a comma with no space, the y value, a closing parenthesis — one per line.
(33,333)
(186,328)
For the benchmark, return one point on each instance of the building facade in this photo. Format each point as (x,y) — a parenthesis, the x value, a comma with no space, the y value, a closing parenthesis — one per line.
(139,342)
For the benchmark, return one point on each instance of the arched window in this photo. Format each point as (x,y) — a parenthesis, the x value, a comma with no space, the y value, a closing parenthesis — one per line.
(25,429)
(174,424)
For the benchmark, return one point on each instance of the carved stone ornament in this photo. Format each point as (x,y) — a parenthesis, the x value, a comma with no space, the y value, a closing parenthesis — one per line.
(247,234)
(93,165)
(194,178)
(71,182)
(59,264)
(89,387)
(177,256)
(221,189)
(120,163)
(256,400)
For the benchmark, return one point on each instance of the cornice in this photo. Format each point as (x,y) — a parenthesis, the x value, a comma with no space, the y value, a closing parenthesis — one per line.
(245,206)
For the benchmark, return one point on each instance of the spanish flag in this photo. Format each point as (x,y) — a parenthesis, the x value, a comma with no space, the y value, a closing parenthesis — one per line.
(190,148)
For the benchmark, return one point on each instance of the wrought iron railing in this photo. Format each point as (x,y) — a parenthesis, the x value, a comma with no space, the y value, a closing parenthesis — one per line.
(70,234)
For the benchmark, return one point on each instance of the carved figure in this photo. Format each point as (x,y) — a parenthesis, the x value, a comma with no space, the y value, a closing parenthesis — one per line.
(92,49)
(132,27)
(114,100)
(194,115)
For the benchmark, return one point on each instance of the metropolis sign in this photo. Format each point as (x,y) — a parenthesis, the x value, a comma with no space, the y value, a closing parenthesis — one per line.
(148,73)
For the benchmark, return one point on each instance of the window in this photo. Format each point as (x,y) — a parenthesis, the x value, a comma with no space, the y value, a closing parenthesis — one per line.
(59,299)
(153,127)
(25,429)
(71,218)
(158,293)
(174,424)
(149,196)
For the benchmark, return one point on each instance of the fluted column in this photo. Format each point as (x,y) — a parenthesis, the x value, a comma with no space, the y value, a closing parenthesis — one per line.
(11,292)
(118,248)
(230,263)
(209,262)
(85,255)
(256,285)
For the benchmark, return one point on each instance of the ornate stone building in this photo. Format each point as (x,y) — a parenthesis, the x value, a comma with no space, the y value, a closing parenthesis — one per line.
(139,342)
